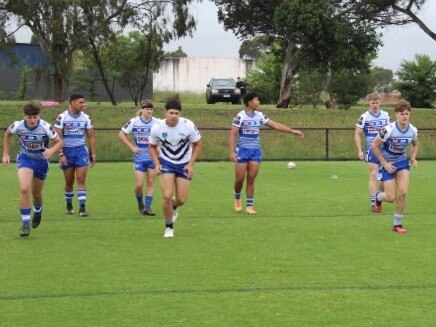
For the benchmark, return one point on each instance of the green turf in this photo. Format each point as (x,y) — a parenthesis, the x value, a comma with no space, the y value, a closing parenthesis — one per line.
(313,256)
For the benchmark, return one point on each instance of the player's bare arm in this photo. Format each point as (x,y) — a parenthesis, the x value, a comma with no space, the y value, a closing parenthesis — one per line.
(125,140)
(196,150)
(413,153)
(358,142)
(92,147)
(375,146)
(155,156)
(6,159)
(232,142)
(282,128)
(48,153)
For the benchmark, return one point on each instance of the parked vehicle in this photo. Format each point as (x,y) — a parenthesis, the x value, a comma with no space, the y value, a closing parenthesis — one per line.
(222,90)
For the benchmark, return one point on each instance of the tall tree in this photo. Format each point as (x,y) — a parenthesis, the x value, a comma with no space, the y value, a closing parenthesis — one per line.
(134,58)
(54,25)
(417,81)
(388,12)
(311,34)
(63,27)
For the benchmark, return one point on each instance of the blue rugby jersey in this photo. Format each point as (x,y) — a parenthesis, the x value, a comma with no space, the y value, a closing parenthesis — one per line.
(140,130)
(249,126)
(396,141)
(372,124)
(73,128)
(33,140)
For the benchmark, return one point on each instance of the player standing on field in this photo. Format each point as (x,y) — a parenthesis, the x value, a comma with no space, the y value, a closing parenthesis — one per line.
(175,145)
(73,125)
(394,139)
(140,127)
(245,148)
(32,161)
(370,123)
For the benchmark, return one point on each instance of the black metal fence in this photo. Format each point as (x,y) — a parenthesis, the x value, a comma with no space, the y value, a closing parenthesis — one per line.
(318,144)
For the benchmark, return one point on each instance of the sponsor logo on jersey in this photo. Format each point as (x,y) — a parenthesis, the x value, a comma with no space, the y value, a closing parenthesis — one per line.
(164,135)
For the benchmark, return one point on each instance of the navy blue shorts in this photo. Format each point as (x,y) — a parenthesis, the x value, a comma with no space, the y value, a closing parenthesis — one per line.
(400,165)
(171,168)
(245,155)
(370,157)
(77,156)
(142,166)
(39,166)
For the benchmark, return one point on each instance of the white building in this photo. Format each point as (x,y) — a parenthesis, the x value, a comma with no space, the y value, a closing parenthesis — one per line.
(193,73)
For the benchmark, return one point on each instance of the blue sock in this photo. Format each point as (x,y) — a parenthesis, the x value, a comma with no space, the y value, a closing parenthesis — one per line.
(249,202)
(148,201)
(237,196)
(25,216)
(69,197)
(139,199)
(81,195)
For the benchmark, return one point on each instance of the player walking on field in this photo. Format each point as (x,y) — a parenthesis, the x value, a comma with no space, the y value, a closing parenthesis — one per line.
(394,139)
(140,127)
(175,145)
(370,123)
(32,161)
(73,125)
(245,150)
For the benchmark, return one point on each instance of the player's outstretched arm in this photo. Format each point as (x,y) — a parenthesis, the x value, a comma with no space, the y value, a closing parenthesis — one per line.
(283,128)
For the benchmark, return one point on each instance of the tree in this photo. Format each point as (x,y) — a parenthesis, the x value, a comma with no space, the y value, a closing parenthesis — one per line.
(381,79)
(387,12)
(311,35)
(54,25)
(179,53)
(417,81)
(265,78)
(64,27)
(134,58)
(253,48)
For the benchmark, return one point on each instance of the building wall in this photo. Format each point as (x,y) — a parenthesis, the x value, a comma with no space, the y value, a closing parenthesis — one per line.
(193,73)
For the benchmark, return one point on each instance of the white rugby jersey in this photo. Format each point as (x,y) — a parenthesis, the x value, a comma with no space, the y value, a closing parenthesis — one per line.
(140,130)
(73,128)
(175,142)
(396,141)
(372,124)
(249,126)
(33,140)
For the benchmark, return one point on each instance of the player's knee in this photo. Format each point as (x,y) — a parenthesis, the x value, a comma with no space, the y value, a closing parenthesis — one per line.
(24,191)
(389,197)
(402,192)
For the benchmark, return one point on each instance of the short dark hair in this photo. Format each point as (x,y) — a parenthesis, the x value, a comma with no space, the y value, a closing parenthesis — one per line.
(249,96)
(173,104)
(76,96)
(403,105)
(31,109)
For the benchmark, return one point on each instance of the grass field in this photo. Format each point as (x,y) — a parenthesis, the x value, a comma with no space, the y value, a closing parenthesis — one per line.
(313,256)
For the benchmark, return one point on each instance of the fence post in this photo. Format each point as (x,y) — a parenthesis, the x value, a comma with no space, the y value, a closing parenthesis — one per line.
(326,144)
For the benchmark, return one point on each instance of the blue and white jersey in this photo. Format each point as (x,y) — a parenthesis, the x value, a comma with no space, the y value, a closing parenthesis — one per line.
(249,127)
(372,124)
(396,141)
(175,142)
(33,140)
(140,130)
(73,128)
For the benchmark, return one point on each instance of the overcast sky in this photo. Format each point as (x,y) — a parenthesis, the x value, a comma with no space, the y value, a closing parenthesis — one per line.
(210,39)
(400,43)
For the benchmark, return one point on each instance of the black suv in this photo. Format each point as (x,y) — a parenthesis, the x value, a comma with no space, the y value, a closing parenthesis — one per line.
(223,90)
